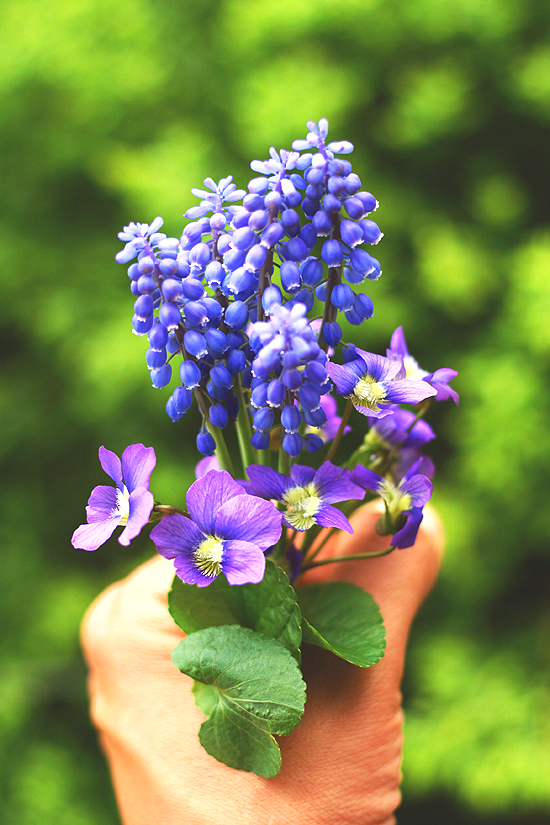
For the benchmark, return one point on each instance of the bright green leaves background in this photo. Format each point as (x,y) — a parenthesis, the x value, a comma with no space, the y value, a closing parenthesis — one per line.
(110,113)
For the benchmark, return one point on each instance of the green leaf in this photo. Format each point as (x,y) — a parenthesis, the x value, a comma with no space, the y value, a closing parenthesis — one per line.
(251,688)
(343,618)
(269,607)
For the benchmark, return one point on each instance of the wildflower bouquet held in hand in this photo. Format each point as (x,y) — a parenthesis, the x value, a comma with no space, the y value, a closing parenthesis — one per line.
(247,306)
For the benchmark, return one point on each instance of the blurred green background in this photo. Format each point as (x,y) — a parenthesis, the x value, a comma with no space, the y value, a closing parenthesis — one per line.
(110,112)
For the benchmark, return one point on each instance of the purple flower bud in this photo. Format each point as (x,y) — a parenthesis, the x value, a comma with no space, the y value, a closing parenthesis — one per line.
(253,202)
(371,231)
(240,217)
(238,281)
(313,443)
(161,377)
(315,372)
(216,341)
(232,405)
(309,397)
(214,274)
(276,392)
(140,326)
(190,374)
(291,418)
(218,416)
(236,315)
(305,296)
(332,333)
(243,238)
(272,295)
(296,250)
(331,203)
(311,271)
(342,297)
(353,183)
(218,393)
(315,418)
(195,343)
(146,265)
(363,306)
(332,253)
(292,379)
(217,221)
(259,395)
(308,235)
(272,234)
(155,358)
(369,202)
(258,220)
(255,257)
(168,266)
(220,376)
(213,309)
(234,258)
(200,256)
(354,208)
(292,444)
(146,284)
(273,201)
(351,233)
(236,361)
(290,276)
(258,185)
(361,261)
(322,223)
(291,221)
(310,207)
(224,243)
(205,443)
(191,288)
(260,441)
(336,184)
(143,307)
(182,399)
(158,336)
(263,419)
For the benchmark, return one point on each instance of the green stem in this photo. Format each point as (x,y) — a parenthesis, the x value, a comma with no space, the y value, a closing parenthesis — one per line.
(244,430)
(340,432)
(284,461)
(222,453)
(353,557)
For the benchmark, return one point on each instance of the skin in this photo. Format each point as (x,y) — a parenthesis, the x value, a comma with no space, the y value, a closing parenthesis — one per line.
(341,764)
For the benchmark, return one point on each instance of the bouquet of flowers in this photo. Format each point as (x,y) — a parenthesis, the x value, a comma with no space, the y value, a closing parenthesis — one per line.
(246,303)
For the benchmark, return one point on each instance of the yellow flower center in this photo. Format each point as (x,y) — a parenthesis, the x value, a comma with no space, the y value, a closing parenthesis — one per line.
(396,501)
(302,505)
(122,506)
(208,557)
(368,393)
(412,370)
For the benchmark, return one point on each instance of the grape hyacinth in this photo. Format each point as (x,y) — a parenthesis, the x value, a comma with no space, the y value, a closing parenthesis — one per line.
(249,316)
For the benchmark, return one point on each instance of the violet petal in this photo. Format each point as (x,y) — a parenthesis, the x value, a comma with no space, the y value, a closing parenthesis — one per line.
(243,562)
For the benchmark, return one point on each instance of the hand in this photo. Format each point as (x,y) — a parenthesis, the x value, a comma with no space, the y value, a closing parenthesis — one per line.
(340,764)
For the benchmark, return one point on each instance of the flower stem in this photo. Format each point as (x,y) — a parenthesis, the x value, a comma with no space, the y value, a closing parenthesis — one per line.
(222,453)
(244,430)
(353,557)
(341,428)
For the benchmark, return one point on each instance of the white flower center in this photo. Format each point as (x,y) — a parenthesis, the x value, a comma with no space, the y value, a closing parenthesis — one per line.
(302,505)
(368,393)
(208,557)
(122,506)
(396,500)
(412,370)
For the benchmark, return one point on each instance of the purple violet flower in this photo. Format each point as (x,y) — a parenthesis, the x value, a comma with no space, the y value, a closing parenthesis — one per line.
(307,494)
(227,533)
(439,379)
(129,504)
(374,384)
(405,499)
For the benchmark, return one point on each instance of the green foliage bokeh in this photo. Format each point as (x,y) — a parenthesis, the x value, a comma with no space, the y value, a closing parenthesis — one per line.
(111,113)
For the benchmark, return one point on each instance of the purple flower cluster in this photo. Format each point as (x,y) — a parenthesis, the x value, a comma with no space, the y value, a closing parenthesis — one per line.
(258,257)
(247,300)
